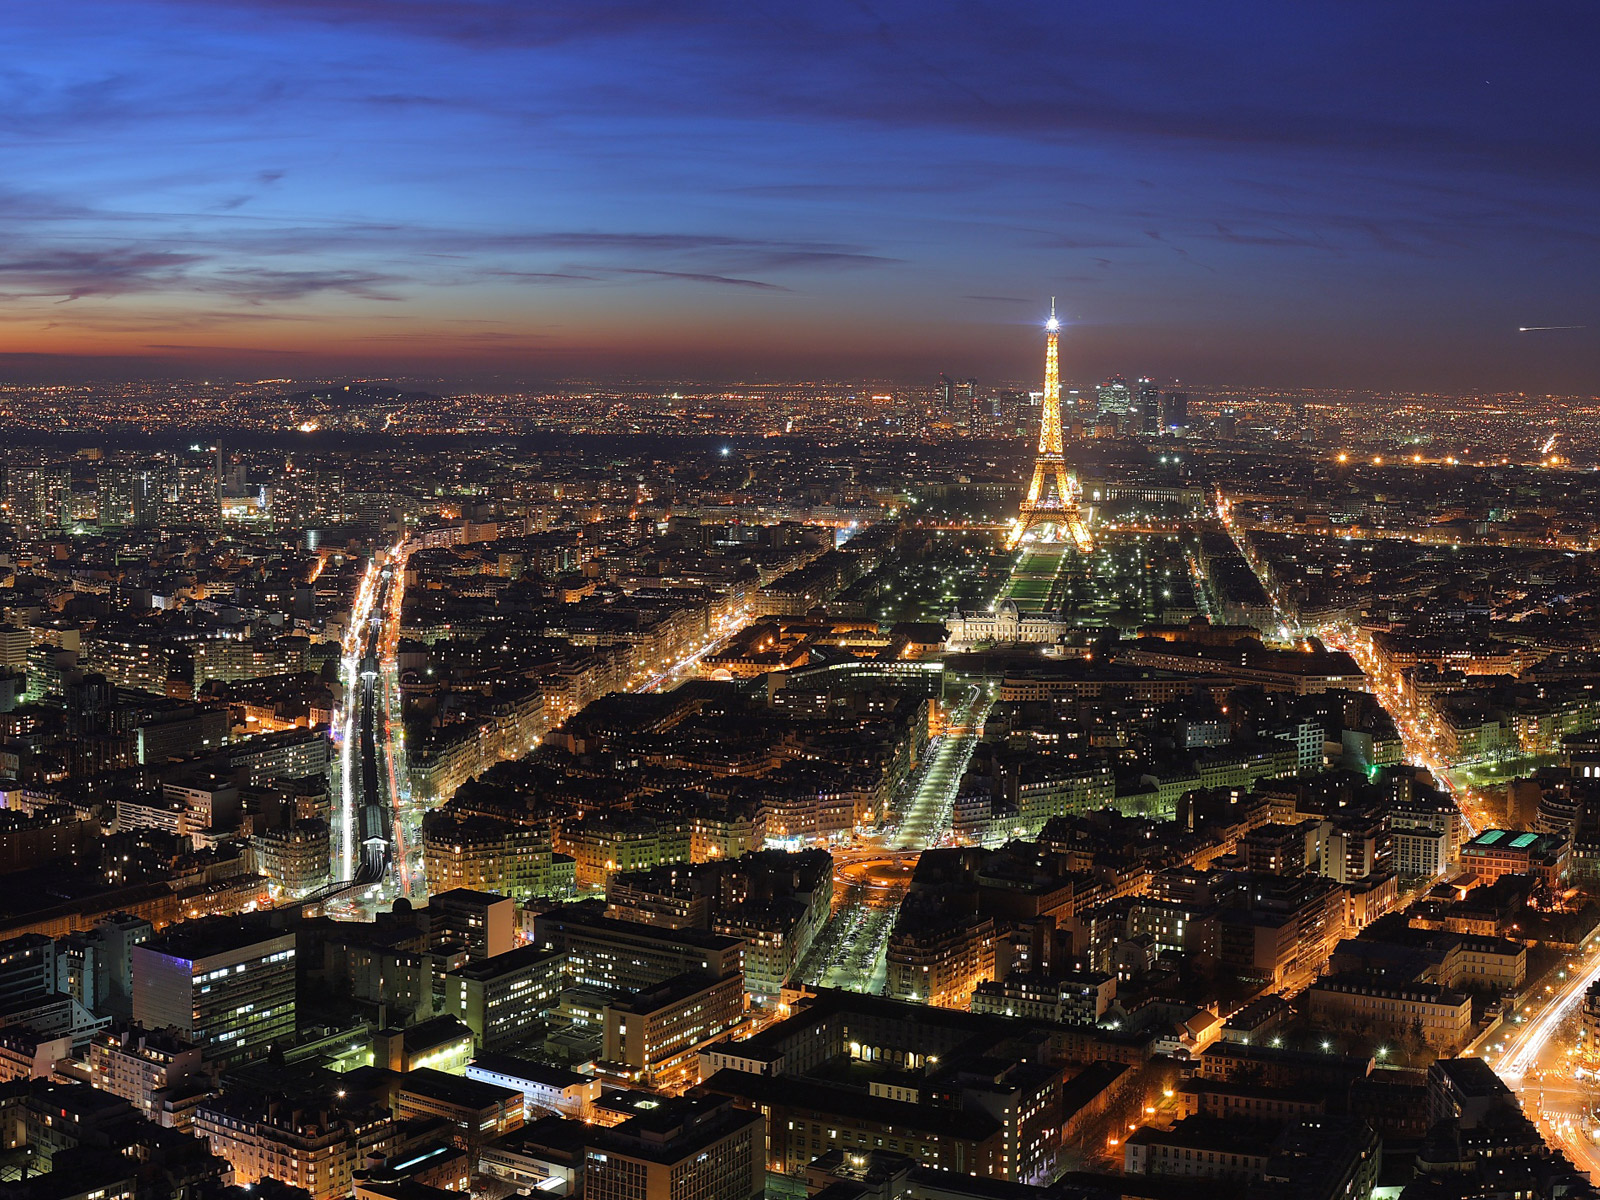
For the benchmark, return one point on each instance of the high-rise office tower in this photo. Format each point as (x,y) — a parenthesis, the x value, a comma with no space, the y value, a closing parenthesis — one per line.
(1175,412)
(1115,396)
(958,401)
(1148,406)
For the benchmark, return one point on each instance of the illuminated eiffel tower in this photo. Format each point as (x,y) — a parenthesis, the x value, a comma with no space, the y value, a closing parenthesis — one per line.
(1052,503)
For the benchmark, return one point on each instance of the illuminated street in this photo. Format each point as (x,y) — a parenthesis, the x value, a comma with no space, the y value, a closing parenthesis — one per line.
(686,667)
(376,833)
(873,874)
(925,819)
(1536,1063)
(1419,734)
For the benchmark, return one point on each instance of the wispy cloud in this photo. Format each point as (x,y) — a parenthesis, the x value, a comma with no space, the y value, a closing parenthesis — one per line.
(702,277)
(539,276)
(259,286)
(72,274)
(199,348)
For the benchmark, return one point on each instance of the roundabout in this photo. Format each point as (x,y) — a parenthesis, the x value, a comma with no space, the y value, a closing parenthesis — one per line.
(881,873)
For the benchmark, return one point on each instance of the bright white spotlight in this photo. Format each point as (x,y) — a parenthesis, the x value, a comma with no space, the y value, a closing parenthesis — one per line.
(1052,325)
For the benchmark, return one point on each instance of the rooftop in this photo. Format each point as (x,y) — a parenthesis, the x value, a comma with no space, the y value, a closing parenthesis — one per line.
(195,940)
(799,1093)
(515,1067)
(519,959)
(1516,840)
(674,1129)
(454,1089)
(575,917)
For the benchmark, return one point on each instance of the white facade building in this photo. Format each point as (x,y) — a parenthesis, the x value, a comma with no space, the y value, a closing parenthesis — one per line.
(1007,624)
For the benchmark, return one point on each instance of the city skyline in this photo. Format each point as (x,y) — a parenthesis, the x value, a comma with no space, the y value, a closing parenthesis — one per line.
(484,193)
(854,601)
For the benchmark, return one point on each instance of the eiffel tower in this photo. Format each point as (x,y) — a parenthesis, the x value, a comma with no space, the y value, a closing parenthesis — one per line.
(1053,501)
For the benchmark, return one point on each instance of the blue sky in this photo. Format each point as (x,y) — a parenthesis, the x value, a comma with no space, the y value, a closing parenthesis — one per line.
(1348,194)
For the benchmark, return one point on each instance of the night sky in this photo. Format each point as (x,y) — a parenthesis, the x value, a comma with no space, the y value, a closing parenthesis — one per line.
(1363,194)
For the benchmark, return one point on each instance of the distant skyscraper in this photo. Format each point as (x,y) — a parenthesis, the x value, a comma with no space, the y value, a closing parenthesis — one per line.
(1149,407)
(1115,396)
(151,488)
(1013,408)
(196,480)
(1175,411)
(38,497)
(114,495)
(955,400)
(1301,422)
